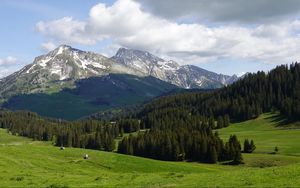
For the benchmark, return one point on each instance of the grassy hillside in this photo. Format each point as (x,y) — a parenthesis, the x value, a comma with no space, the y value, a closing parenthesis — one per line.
(29,163)
(267,133)
(91,95)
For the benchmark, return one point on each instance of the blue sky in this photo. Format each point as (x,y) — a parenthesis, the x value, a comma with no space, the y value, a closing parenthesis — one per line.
(18,36)
(230,40)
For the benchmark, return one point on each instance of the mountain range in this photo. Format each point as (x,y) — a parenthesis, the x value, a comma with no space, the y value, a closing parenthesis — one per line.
(135,73)
(62,66)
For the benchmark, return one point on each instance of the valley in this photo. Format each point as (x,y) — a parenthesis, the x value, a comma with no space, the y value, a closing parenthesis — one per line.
(180,139)
(143,93)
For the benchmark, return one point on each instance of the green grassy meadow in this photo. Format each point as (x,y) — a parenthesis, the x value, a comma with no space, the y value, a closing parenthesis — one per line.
(267,133)
(27,163)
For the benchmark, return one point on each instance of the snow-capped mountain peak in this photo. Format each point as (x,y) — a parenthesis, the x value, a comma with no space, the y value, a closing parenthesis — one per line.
(131,54)
(65,64)
(144,62)
(187,76)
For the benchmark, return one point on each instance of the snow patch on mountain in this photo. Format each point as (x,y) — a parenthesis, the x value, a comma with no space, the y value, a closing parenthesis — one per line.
(61,49)
(66,65)
(43,62)
(66,62)
(187,76)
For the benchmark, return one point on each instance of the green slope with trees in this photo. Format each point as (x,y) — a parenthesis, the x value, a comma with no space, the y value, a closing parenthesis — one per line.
(243,100)
(91,95)
(180,126)
(197,143)
(183,127)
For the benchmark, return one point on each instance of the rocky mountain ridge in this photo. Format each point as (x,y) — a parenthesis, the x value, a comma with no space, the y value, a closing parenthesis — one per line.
(64,65)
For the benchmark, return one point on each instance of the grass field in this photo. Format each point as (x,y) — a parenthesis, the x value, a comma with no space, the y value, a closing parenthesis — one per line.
(38,164)
(267,133)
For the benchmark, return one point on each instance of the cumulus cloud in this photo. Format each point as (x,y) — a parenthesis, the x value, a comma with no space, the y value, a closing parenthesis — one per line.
(65,29)
(127,24)
(242,11)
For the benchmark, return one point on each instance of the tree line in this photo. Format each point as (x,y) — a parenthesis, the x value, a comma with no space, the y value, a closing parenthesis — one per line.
(89,134)
(174,135)
(278,90)
(182,144)
(173,139)
(245,99)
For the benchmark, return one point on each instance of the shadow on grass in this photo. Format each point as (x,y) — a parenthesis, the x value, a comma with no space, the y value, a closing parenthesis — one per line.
(232,163)
(277,119)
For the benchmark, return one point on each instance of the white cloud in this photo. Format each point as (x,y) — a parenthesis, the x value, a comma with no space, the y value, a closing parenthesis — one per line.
(48,46)
(126,24)
(7,65)
(64,30)
(10,60)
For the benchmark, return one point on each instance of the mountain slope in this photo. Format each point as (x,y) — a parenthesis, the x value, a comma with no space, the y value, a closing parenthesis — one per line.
(56,70)
(91,95)
(54,78)
(186,76)
(246,99)
(64,65)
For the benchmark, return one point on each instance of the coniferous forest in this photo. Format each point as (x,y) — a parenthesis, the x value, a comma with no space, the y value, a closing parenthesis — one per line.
(192,116)
(176,127)
(245,99)
(89,134)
